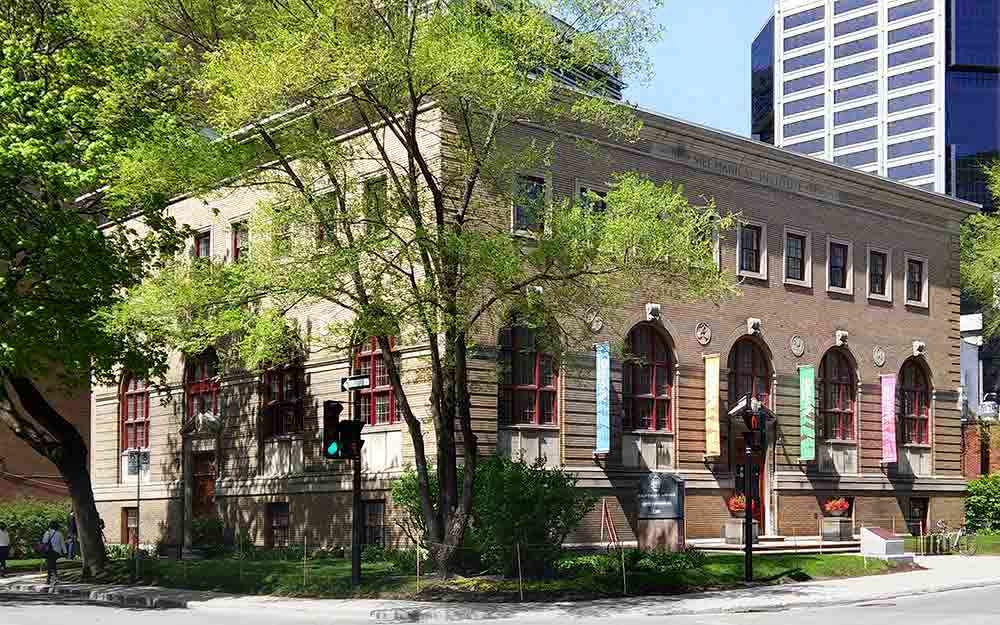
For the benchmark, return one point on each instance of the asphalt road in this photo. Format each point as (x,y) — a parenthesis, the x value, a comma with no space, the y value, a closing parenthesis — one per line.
(964,607)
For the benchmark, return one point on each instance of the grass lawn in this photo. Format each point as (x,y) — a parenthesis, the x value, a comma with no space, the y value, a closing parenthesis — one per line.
(331,578)
(37,564)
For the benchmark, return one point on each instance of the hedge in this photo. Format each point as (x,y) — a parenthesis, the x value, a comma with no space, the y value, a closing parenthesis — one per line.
(27,520)
(982,504)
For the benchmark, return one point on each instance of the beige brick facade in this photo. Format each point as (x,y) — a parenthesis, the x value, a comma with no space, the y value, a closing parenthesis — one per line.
(772,188)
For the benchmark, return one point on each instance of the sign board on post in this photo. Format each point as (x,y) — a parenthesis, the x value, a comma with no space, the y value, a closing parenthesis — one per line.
(807,413)
(661,496)
(137,460)
(355,382)
(603,397)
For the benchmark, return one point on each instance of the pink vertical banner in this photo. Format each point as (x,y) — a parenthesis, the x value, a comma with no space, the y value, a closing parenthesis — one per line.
(888,418)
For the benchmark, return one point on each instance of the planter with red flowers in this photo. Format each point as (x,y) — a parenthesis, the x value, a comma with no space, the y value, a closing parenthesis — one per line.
(732,533)
(837,506)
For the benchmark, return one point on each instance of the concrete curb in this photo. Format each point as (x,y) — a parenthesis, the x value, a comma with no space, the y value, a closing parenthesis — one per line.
(445,614)
(130,597)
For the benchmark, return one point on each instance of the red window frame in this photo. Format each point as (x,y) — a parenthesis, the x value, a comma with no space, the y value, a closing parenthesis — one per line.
(529,393)
(201,387)
(838,386)
(130,533)
(913,405)
(134,409)
(749,371)
(239,232)
(283,391)
(647,381)
(203,245)
(368,359)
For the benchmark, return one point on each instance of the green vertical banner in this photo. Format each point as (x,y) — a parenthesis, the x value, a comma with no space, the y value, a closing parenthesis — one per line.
(807,413)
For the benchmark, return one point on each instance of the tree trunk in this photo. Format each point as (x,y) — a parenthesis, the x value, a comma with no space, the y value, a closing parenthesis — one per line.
(35,421)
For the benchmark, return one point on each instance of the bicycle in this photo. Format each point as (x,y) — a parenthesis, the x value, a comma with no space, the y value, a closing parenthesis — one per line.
(960,541)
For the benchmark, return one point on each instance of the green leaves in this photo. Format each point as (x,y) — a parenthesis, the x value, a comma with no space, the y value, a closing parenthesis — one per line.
(980,258)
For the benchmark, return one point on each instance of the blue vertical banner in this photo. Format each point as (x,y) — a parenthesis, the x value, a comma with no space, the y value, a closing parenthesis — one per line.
(603,391)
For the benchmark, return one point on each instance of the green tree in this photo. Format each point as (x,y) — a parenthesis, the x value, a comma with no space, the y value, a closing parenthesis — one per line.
(980,258)
(71,105)
(430,257)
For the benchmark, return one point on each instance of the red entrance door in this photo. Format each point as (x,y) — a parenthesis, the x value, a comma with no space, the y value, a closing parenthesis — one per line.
(203,501)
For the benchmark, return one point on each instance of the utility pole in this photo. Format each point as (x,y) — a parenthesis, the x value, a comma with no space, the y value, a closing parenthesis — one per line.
(748,498)
(357,526)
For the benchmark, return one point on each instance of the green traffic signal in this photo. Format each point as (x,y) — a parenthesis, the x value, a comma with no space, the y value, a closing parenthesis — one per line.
(332,449)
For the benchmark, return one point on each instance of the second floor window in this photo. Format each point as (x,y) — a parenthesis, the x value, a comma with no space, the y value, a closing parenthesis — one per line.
(838,265)
(134,404)
(647,381)
(241,241)
(837,390)
(201,385)
(750,248)
(877,264)
(795,257)
(528,389)
(283,391)
(913,405)
(529,203)
(914,280)
(203,245)
(375,405)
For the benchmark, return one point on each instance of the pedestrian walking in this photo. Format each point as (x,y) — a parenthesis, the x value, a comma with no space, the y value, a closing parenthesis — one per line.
(53,547)
(4,549)
(71,534)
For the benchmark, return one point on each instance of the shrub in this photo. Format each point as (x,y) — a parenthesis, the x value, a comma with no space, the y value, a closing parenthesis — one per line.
(27,520)
(663,562)
(118,552)
(207,532)
(982,504)
(608,565)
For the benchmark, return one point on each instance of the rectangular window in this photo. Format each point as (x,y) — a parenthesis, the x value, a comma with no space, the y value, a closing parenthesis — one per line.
(912,170)
(375,527)
(806,125)
(910,8)
(855,24)
(804,17)
(241,241)
(912,31)
(839,266)
(843,6)
(803,105)
(857,159)
(277,524)
(878,274)
(130,526)
(529,203)
(806,60)
(203,245)
(594,199)
(910,55)
(916,281)
(805,39)
(849,116)
(854,70)
(752,250)
(914,146)
(915,77)
(855,47)
(852,137)
(798,257)
(808,147)
(911,124)
(911,101)
(806,82)
(855,92)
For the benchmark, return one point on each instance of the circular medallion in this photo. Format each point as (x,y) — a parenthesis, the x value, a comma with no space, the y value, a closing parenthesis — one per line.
(703,333)
(797,345)
(878,356)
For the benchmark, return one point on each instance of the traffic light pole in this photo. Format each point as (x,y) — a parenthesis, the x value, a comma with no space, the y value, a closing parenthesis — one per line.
(748,490)
(357,525)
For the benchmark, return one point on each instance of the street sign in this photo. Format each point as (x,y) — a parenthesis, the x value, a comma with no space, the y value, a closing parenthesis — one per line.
(355,382)
(137,460)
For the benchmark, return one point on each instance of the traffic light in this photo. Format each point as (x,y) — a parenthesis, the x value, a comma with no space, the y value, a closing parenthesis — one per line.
(331,431)
(349,437)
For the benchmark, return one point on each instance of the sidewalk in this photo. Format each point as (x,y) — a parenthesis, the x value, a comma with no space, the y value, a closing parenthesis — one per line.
(944,573)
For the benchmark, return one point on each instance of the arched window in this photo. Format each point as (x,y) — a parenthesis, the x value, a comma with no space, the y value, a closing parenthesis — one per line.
(914,402)
(201,385)
(134,406)
(837,396)
(528,389)
(283,391)
(647,381)
(749,371)
(375,405)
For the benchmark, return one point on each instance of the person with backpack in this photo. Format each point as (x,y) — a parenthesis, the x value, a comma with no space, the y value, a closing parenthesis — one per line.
(71,544)
(4,549)
(52,547)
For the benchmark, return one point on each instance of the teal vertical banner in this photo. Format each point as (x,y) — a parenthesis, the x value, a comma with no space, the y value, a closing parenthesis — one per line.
(603,391)
(807,413)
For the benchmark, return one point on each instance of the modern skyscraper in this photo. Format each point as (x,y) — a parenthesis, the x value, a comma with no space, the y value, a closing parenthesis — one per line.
(907,89)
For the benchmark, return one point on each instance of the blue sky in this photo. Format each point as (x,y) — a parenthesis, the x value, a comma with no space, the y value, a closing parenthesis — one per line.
(702,64)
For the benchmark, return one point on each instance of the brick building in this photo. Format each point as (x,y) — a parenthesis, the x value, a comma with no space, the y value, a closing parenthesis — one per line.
(843,271)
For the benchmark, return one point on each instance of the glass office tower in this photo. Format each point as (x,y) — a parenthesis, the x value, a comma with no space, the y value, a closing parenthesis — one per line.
(906,89)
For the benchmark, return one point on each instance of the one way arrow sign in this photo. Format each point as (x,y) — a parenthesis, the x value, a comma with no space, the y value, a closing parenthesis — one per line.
(355,382)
